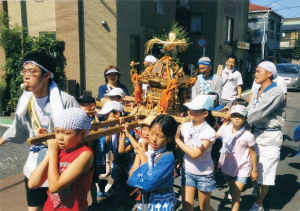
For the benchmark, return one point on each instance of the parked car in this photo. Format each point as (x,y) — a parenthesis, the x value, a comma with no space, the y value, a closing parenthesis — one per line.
(290,73)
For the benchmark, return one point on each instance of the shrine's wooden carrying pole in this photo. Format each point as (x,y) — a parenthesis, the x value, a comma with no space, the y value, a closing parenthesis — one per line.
(97,130)
(220,113)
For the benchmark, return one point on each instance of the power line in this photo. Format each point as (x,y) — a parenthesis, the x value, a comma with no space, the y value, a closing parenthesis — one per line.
(286,8)
(272,3)
(282,5)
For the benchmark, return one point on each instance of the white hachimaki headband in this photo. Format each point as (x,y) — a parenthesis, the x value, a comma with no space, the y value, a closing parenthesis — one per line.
(74,119)
(40,66)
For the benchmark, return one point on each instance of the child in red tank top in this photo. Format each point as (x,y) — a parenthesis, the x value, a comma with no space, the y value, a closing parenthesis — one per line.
(68,166)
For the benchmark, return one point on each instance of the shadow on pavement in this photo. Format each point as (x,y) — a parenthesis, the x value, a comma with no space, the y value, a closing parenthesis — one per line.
(295,165)
(108,204)
(282,193)
(286,137)
(13,185)
(287,152)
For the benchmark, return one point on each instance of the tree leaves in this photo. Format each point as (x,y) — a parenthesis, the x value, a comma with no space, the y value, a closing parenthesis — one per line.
(16,43)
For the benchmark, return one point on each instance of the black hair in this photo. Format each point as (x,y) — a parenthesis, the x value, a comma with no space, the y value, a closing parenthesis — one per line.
(117,96)
(42,59)
(240,101)
(115,111)
(231,57)
(109,68)
(211,120)
(169,128)
(214,93)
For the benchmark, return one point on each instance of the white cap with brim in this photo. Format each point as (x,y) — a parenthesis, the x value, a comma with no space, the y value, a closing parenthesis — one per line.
(112,71)
(201,102)
(239,109)
(109,106)
(115,92)
(270,67)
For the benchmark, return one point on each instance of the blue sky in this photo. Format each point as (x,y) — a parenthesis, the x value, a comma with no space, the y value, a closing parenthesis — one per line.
(286,8)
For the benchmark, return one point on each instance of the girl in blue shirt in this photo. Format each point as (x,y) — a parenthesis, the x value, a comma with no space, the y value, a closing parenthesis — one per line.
(152,170)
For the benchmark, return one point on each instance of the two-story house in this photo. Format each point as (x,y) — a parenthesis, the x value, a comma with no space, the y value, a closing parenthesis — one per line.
(264,34)
(290,33)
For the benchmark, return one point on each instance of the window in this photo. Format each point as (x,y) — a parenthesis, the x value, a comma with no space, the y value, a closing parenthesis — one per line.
(160,6)
(277,33)
(271,28)
(182,3)
(229,30)
(196,23)
(135,42)
(287,35)
(253,30)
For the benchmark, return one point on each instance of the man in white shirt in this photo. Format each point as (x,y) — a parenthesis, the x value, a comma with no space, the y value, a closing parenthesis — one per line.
(232,82)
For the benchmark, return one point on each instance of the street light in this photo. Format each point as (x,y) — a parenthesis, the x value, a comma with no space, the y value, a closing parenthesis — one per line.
(263,40)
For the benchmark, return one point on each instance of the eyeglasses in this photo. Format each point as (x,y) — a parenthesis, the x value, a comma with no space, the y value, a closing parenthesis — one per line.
(30,72)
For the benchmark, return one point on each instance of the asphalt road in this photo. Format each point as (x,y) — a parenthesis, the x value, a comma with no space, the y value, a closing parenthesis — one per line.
(285,195)
(12,157)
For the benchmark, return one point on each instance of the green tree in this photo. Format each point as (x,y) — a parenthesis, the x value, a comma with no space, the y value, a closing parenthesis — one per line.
(296,53)
(16,43)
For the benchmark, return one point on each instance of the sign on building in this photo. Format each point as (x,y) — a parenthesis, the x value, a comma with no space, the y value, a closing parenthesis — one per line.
(243,45)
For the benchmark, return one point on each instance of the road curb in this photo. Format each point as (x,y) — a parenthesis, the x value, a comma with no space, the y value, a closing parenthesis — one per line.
(4,125)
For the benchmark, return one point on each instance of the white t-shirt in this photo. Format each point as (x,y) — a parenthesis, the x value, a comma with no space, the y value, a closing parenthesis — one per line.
(31,162)
(39,105)
(280,83)
(202,165)
(229,91)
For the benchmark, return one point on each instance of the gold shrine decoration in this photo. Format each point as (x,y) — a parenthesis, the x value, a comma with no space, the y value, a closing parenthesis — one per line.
(137,89)
(133,70)
(220,113)
(168,45)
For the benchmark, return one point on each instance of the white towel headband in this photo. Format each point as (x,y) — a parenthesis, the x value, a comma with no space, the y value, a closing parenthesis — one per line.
(40,66)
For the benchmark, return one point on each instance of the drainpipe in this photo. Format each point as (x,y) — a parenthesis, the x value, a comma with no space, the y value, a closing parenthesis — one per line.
(263,42)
